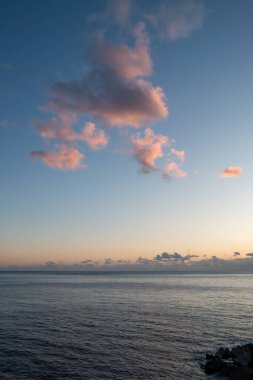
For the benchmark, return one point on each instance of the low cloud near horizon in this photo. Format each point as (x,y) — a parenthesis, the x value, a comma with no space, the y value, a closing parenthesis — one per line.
(165,261)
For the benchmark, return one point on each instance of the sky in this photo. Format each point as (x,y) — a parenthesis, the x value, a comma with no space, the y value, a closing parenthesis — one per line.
(126,133)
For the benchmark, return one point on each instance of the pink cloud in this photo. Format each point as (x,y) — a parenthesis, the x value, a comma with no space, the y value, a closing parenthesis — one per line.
(123,60)
(180,154)
(231,171)
(147,149)
(63,158)
(95,138)
(55,128)
(172,169)
(114,91)
(118,103)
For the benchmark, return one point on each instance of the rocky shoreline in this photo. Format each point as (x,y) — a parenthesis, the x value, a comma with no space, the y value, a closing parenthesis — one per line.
(235,363)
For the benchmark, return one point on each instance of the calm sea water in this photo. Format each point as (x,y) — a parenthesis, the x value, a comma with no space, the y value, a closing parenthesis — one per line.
(119,326)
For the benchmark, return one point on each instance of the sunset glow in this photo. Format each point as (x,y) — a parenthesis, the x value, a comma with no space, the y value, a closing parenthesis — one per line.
(126,131)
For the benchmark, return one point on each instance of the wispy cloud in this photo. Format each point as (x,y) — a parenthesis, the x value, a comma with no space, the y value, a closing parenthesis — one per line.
(127,62)
(120,10)
(117,12)
(176,19)
(231,171)
(63,158)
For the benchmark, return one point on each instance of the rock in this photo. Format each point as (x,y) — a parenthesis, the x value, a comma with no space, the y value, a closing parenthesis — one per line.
(223,353)
(210,357)
(212,366)
(230,370)
(234,364)
(243,355)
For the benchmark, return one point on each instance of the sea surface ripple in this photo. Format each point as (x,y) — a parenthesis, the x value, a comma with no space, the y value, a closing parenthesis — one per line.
(119,326)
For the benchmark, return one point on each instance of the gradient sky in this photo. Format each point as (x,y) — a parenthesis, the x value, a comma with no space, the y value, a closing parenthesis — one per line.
(92,167)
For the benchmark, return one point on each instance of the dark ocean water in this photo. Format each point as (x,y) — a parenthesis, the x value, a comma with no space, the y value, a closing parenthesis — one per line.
(119,326)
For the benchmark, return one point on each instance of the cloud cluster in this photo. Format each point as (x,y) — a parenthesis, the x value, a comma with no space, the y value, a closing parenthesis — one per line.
(231,171)
(113,92)
(116,91)
(174,262)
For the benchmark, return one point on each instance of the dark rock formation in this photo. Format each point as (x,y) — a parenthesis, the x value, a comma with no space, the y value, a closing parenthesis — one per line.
(234,364)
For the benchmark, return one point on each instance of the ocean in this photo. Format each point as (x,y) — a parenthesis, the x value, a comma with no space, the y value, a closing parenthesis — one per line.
(121,326)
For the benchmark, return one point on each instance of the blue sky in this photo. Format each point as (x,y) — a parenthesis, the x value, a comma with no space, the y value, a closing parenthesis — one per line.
(121,206)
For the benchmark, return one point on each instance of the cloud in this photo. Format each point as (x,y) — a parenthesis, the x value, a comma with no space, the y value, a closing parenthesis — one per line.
(110,98)
(176,257)
(120,11)
(236,254)
(148,148)
(174,262)
(123,60)
(172,169)
(180,154)
(108,262)
(117,12)
(114,91)
(231,171)
(95,138)
(55,128)
(176,19)
(63,158)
